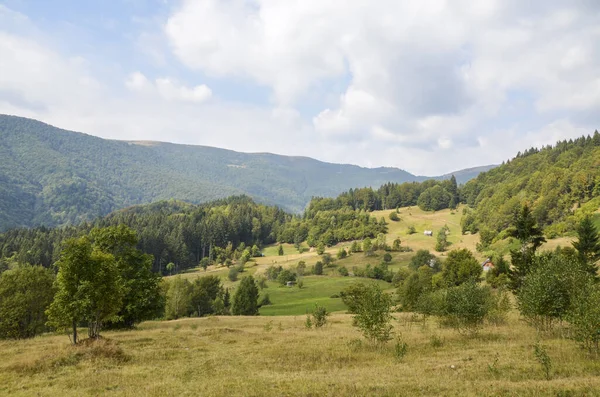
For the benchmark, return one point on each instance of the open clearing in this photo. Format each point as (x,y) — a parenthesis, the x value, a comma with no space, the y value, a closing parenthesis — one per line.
(278,356)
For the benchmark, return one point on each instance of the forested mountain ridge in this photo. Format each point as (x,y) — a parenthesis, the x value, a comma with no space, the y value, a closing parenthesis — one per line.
(554,181)
(50,176)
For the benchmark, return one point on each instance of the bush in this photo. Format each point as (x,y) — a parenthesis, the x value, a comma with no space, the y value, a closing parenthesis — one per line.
(394,216)
(411,230)
(466,306)
(373,316)
(399,277)
(318,269)
(233,274)
(265,300)
(546,293)
(584,317)
(387,257)
(343,271)
(421,258)
(319,316)
(285,276)
(342,253)
(460,267)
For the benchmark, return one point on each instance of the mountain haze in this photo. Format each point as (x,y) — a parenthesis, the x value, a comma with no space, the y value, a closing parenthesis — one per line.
(50,176)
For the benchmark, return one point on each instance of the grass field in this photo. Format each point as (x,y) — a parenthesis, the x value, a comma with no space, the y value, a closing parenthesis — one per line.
(319,289)
(278,356)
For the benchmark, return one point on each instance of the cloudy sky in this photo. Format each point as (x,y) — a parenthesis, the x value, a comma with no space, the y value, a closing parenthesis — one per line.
(429,86)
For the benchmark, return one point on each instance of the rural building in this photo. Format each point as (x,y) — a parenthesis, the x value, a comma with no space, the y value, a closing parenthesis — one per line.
(428,232)
(487,265)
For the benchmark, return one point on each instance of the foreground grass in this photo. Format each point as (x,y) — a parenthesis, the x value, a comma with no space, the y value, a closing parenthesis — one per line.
(266,356)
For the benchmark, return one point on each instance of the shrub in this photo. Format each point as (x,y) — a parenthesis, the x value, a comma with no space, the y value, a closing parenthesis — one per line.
(387,257)
(372,308)
(394,216)
(233,274)
(265,300)
(584,317)
(342,253)
(343,271)
(285,276)
(466,306)
(319,316)
(318,269)
(411,230)
(400,349)
(399,277)
(460,267)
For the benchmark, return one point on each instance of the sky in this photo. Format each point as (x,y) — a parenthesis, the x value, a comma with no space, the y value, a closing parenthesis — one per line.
(428,86)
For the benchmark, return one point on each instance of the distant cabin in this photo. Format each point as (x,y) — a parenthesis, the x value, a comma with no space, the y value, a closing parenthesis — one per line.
(428,232)
(290,283)
(487,265)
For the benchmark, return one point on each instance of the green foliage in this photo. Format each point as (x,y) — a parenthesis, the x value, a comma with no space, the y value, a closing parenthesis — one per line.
(584,316)
(352,295)
(588,244)
(320,248)
(284,276)
(233,273)
(441,241)
(541,356)
(89,288)
(142,299)
(341,254)
(411,230)
(280,250)
(367,246)
(416,285)
(387,257)
(319,316)
(466,306)
(318,269)
(400,348)
(394,216)
(245,300)
(265,300)
(555,179)
(547,291)
(460,266)
(204,292)
(372,312)
(343,271)
(179,298)
(25,294)
(422,258)
(396,245)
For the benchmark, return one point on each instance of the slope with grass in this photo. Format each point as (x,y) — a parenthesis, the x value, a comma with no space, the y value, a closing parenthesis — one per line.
(266,356)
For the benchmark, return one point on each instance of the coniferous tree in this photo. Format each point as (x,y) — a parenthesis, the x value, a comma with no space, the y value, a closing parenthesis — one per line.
(588,244)
(245,300)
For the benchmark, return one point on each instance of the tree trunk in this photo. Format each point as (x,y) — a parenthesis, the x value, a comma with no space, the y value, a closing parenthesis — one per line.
(74,332)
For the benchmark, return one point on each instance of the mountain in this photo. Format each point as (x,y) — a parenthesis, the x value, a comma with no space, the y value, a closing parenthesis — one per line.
(463,176)
(554,181)
(50,176)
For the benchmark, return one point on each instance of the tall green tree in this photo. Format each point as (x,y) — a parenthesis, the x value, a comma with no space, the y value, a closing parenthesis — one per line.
(89,288)
(245,300)
(25,293)
(460,267)
(142,298)
(588,244)
(530,235)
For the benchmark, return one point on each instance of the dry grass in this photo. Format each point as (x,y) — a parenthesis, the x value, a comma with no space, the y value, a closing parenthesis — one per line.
(239,356)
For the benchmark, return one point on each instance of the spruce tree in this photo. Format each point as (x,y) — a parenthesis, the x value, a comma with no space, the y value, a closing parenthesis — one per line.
(245,300)
(588,244)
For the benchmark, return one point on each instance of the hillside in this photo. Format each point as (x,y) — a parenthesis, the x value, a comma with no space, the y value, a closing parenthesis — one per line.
(50,176)
(554,180)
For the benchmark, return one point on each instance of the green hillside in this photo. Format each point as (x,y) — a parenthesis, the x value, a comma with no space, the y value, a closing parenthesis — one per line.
(49,176)
(555,181)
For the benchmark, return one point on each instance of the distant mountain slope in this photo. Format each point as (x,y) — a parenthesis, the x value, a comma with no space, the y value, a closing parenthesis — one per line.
(50,176)
(463,176)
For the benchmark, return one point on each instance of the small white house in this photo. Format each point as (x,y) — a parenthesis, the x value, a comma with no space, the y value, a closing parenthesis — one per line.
(487,265)
(428,233)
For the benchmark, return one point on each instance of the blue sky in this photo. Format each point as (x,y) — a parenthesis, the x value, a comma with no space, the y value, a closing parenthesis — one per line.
(428,86)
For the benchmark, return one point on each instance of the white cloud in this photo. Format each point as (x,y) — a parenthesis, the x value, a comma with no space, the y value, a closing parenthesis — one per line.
(168,88)
(429,86)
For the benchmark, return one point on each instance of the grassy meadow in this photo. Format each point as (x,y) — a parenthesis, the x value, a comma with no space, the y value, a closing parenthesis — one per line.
(278,356)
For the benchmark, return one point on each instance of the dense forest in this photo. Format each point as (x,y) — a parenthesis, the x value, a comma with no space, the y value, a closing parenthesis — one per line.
(53,177)
(184,234)
(554,181)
